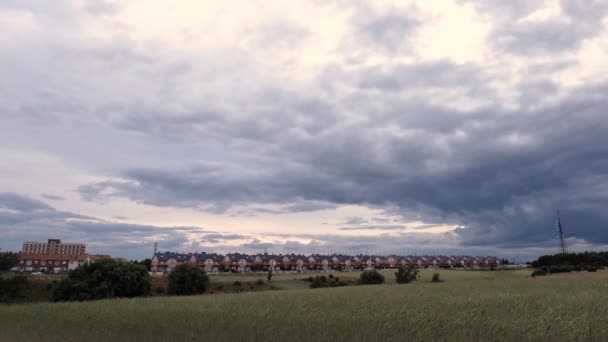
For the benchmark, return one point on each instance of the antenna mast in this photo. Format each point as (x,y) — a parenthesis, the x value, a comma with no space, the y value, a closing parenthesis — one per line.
(155,248)
(560,231)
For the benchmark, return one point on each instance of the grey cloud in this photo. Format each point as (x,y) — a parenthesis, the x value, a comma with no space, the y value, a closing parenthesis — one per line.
(553,35)
(369,227)
(101,7)
(381,31)
(355,220)
(216,238)
(440,74)
(53,197)
(16,202)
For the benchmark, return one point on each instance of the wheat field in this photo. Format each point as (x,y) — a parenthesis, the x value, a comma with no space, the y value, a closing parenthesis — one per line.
(467,306)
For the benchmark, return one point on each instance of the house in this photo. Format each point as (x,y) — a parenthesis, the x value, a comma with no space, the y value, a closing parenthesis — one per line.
(53,263)
(164,263)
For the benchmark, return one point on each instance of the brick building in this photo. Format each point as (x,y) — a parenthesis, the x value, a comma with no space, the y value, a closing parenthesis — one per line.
(53,256)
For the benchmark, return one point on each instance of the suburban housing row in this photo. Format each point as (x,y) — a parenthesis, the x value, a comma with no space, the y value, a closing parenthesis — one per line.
(163,263)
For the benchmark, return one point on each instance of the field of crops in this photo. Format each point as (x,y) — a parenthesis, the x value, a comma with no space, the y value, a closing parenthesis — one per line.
(468,305)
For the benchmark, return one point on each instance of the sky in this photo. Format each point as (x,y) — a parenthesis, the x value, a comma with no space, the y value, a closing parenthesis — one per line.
(373,127)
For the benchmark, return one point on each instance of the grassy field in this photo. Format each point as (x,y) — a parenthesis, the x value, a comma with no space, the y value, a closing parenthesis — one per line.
(468,305)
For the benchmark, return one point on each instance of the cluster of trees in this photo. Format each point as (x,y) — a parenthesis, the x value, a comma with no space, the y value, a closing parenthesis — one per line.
(595,259)
(8,260)
(106,278)
(110,278)
(569,262)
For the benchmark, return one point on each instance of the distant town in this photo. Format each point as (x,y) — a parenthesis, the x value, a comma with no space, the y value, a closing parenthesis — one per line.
(55,256)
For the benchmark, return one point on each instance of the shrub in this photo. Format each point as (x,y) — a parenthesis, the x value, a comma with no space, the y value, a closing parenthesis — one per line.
(186,280)
(435,278)
(371,277)
(259,282)
(406,274)
(13,289)
(539,272)
(237,283)
(310,279)
(318,282)
(106,278)
(159,290)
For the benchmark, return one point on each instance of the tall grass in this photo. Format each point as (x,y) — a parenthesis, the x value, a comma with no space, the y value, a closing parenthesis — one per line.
(490,306)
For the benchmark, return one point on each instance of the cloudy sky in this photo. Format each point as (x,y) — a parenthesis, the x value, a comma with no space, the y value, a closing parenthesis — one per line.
(421,127)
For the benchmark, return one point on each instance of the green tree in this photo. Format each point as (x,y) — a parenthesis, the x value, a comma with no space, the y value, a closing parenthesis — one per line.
(371,277)
(106,278)
(147,263)
(8,260)
(406,274)
(187,279)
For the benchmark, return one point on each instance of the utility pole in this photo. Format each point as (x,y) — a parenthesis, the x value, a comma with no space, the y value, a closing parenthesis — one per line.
(560,232)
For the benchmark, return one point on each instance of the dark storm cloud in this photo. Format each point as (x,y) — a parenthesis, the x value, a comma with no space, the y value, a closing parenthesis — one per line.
(500,173)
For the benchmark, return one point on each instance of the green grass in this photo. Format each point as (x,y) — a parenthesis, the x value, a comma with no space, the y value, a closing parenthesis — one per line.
(506,305)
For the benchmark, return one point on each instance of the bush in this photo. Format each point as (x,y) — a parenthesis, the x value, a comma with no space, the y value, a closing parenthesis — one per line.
(14,288)
(406,274)
(237,283)
(259,282)
(435,278)
(186,280)
(539,272)
(106,278)
(318,282)
(321,281)
(159,290)
(371,277)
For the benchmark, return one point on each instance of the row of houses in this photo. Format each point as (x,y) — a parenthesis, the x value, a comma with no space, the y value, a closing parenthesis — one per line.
(163,263)
(53,263)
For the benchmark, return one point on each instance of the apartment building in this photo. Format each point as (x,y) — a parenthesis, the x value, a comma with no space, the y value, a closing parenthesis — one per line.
(54,246)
